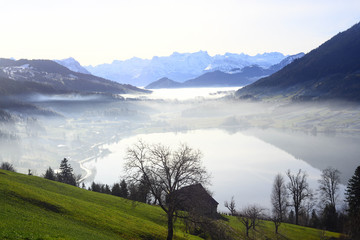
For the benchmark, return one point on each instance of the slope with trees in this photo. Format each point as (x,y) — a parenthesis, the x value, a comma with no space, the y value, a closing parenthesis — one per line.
(46,76)
(329,72)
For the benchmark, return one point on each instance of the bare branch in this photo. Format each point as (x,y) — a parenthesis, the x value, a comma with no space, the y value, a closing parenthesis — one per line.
(299,190)
(231,206)
(165,172)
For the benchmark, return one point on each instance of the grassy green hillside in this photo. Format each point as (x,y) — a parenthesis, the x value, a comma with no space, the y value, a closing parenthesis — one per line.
(35,208)
(266,230)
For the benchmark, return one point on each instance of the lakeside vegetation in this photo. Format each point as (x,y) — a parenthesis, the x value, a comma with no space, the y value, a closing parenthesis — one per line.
(37,208)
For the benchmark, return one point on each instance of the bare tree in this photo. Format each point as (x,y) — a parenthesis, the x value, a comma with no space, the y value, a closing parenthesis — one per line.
(7,166)
(329,186)
(279,197)
(256,213)
(231,206)
(276,220)
(165,172)
(245,218)
(307,207)
(299,191)
(279,201)
(250,217)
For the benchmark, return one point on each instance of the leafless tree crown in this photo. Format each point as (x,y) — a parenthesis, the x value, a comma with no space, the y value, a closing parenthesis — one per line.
(279,198)
(231,206)
(299,190)
(165,171)
(329,185)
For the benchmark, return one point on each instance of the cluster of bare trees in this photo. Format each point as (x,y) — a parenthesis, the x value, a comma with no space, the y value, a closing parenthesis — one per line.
(293,200)
(249,216)
(7,166)
(165,171)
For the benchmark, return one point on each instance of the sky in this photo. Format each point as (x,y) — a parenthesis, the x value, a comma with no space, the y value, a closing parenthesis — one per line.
(100,31)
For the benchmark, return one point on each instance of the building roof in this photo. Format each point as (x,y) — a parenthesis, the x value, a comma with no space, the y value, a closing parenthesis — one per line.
(197,192)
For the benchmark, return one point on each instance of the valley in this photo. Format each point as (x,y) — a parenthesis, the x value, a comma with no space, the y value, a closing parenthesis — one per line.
(180,120)
(94,134)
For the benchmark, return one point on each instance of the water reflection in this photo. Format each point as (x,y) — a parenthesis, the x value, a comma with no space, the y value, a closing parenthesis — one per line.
(241,165)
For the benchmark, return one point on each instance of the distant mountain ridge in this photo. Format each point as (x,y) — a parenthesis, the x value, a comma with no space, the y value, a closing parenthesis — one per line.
(72,65)
(164,83)
(48,77)
(217,78)
(331,71)
(180,66)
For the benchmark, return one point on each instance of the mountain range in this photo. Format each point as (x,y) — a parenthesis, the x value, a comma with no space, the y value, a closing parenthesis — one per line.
(48,77)
(73,65)
(331,71)
(235,77)
(180,67)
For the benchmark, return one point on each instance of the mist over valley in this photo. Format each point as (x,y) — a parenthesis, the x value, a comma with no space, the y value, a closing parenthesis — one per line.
(235,136)
(240,122)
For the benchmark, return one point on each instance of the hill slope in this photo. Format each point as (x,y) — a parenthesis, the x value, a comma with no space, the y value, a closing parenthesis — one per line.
(50,210)
(217,78)
(330,71)
(46,75)
(35,208)
(163,83)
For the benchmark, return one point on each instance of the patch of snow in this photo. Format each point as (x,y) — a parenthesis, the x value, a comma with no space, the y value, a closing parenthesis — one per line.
(73,76)
(25,66)
(208,68)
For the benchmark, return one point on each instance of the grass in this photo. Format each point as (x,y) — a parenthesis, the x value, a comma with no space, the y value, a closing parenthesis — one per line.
(266,230)
(34,208)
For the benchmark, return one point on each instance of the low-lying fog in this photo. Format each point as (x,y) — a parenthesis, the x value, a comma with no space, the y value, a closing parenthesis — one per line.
(244,144)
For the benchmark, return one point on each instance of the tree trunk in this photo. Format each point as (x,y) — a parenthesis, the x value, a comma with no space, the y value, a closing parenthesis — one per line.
(296,215)
(170,226)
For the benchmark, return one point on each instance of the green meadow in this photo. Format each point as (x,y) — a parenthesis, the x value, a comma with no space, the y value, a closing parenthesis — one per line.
(35,208)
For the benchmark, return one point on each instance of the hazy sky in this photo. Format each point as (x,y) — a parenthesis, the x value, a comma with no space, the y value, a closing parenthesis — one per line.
(99,31)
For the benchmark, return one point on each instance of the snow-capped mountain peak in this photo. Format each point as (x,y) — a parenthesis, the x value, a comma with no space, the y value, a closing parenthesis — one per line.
(73,65)
(180,66)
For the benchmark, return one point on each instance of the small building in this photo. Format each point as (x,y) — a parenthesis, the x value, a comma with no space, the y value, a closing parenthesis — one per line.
(196,199)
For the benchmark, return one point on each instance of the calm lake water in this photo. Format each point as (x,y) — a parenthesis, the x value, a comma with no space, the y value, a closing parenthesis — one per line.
(241,165)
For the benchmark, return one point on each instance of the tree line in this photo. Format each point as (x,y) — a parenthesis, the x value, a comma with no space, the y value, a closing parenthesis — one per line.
(64,175)
(295,202)
(139,192)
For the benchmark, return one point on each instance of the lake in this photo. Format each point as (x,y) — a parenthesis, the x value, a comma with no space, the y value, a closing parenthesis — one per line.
(241,165)
(244,144)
